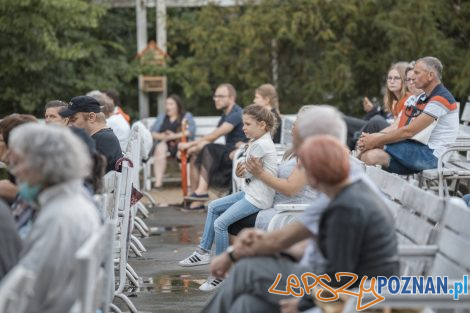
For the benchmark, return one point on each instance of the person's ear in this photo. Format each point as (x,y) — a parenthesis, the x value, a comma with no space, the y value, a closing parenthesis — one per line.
(92,116)
(263,125)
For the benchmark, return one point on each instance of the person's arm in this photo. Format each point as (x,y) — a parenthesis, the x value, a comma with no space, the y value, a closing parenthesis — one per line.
(8,190)
(251,242)
(289,186)
(368,142)
(220,131)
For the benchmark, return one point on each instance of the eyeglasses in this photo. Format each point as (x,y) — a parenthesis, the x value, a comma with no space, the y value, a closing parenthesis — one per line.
(215,97)
(392,78)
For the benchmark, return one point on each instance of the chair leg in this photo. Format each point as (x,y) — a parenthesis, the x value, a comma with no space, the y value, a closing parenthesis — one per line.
(135,249)
(138,244)
(150,198)
(141,223)
(128,302)
(140,229)
(114,308)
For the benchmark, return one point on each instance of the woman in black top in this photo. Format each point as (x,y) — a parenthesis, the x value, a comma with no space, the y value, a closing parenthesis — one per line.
(266,95)
(167,133)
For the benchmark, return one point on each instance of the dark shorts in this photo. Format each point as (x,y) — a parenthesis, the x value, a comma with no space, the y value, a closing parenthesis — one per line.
(410,157)
(215,165)
(246,222)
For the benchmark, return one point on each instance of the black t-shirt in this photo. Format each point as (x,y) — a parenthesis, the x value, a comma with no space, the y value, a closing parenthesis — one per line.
(174,126)
(234,117)
(357,234)
(108,145)
(277,134)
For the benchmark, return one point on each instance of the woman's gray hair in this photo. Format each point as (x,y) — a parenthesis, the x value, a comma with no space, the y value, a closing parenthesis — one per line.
(321,120)
(53,151)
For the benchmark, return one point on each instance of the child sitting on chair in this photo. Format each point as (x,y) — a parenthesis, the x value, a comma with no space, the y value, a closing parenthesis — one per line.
(258,123)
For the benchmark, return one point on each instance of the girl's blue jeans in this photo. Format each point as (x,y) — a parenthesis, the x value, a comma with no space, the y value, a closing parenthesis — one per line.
(221,214)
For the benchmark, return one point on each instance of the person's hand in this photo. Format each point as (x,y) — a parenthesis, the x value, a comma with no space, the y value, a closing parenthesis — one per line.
(254,166)
(289,305)
(220,265)
(246,240)
(240,171)
(184,145)
(367,104)
(368,141)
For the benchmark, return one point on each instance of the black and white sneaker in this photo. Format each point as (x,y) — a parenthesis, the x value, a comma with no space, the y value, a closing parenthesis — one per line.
(196,259)
(211,283)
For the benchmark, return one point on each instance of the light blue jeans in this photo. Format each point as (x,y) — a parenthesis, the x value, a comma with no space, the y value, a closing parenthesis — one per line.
(221,214)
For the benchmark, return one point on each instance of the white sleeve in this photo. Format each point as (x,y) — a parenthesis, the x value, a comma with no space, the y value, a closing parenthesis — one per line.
(435,109)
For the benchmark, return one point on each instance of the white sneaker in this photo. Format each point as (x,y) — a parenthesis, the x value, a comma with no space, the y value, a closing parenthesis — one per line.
(211,283)
(196,259)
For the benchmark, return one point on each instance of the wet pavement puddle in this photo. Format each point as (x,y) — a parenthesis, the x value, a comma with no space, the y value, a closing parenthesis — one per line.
(171,283)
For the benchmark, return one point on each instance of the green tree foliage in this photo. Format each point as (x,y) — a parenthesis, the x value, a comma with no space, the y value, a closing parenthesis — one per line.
(55,49)
(326,51)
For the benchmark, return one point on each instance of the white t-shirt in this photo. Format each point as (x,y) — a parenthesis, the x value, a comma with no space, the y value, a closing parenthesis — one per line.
(256,192)
(447,127)
(120,128)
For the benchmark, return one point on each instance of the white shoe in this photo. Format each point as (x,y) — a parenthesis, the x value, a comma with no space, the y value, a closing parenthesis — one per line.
(196,259)
(211,284)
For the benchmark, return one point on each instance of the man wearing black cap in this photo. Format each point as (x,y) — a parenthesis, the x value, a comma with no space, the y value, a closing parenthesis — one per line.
(84,112)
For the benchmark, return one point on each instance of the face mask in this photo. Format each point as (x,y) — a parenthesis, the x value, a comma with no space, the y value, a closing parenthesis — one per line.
(29,193)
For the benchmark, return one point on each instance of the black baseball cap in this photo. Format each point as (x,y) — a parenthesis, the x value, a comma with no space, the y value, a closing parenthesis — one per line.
(81,104)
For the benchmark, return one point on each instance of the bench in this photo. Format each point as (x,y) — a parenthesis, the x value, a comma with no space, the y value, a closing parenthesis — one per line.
(453,165)
(95,272)
(449,256)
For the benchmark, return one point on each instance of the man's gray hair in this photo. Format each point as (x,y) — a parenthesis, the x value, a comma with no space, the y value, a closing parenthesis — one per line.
(433,64)
(53,151)
(321,120)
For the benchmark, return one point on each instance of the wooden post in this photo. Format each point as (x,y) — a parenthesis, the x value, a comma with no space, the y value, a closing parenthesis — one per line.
(161,41)
(141,21)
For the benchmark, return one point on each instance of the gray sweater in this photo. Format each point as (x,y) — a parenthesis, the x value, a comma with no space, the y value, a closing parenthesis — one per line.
(66,219)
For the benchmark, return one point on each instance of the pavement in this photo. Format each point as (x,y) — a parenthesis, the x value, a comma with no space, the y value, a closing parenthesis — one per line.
(165,286)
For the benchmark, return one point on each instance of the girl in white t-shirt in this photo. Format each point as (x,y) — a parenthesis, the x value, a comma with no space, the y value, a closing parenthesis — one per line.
(258,123)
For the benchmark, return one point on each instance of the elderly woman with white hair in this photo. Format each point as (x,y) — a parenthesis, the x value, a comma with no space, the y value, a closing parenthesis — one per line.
(50,164)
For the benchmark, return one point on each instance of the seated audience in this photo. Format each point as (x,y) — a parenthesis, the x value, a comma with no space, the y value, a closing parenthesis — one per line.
(211,164)
(85,112)
(8,188)
(376,120)
(10,242)
(399,151)
(258,122)
(52,112)
(254,276)
(51,164)
(167,133)
(93,182)
(116,122)
(113,94)
(266,95)
(290,186)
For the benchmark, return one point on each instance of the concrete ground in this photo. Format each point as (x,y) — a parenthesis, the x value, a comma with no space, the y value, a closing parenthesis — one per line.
(166,287)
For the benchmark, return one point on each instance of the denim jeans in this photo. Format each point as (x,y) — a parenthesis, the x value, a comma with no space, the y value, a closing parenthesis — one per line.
(409,157)
(221,214)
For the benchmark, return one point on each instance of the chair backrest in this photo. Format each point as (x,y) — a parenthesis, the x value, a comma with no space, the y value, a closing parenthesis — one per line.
(95,271)
(417,214)
(453,256)
(465,118)
(286,129)
(16,290)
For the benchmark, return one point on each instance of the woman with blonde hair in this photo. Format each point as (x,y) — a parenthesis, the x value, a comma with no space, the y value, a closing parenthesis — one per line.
(266,95)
